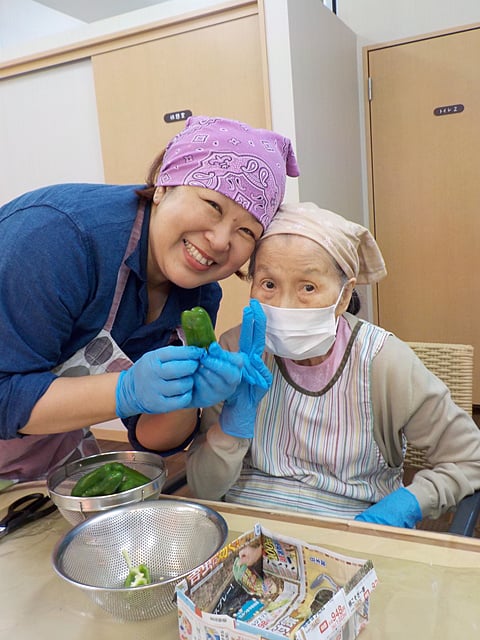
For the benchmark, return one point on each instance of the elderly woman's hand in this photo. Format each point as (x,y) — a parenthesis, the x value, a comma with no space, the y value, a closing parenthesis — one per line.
(399,509)
(238,414)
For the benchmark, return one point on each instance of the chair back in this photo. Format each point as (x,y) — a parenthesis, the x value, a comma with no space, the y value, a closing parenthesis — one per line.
(453,364)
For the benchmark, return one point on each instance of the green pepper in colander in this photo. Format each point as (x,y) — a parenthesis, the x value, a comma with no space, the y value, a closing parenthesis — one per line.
(131,478)
(112,477)
(100,482)
(198,328)
(137,576)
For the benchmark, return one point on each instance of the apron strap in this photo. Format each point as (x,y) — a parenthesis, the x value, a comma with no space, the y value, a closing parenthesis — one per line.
(124,268)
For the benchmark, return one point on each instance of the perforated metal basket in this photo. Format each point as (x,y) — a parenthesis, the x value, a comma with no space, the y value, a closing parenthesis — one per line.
(60,483)
(171,537)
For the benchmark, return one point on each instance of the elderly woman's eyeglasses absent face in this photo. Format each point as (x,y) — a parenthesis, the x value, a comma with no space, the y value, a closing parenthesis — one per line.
(294,272)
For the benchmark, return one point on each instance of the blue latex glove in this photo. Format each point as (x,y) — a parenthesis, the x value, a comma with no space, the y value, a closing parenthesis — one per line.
(217,377)
(239,410)
(160,382)
(398,509)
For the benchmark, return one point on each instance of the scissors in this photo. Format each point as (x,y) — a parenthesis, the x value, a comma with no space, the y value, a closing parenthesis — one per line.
(24,510)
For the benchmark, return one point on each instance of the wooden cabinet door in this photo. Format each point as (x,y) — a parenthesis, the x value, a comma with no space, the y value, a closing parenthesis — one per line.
(425,189)
(214,70)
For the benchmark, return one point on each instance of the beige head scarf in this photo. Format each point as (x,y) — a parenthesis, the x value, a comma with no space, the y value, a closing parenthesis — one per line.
(352,246)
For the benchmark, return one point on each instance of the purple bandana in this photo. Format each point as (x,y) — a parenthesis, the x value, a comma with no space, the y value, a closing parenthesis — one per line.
(247,165)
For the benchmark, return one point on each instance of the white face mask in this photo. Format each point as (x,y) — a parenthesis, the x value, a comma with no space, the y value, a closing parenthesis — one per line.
(299,334)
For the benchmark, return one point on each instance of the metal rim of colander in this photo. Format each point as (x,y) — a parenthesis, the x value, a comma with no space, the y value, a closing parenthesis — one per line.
(63,543)
(102,503)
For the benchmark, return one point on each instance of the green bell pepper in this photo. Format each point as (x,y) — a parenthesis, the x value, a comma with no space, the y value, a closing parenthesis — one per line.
(137,576)
(131,478)
(100,482)
(198,328)
(112,477)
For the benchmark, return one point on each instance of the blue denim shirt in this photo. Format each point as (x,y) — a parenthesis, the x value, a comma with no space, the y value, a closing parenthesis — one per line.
(60,251)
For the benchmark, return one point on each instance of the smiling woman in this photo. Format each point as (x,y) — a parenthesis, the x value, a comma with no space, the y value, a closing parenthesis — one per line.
(115,265)
(198,235)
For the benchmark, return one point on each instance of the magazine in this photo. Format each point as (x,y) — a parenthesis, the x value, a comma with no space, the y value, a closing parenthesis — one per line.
(272,586)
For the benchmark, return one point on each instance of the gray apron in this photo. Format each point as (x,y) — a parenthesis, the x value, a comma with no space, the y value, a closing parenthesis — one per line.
(34,456)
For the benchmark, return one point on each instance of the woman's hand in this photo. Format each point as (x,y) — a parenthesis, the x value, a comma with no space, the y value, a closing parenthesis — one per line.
(161,381)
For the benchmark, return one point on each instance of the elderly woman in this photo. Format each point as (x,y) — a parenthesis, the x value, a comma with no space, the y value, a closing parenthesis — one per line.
(329,436)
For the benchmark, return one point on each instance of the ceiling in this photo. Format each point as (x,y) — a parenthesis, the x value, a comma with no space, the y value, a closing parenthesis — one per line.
(93,10)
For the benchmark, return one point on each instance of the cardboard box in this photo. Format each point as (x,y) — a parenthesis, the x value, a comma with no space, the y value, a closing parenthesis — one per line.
(269,586)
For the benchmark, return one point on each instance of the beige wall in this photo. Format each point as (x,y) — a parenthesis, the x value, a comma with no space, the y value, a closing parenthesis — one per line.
(52,112)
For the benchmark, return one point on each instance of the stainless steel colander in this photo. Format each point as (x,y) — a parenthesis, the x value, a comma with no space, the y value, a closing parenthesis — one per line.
(171,537)
(76,510)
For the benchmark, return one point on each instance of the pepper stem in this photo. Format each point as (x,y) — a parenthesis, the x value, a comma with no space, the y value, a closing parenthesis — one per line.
(127,559)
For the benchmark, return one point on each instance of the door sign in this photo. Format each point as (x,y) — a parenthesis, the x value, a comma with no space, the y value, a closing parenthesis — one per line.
(448,110)
(177,116)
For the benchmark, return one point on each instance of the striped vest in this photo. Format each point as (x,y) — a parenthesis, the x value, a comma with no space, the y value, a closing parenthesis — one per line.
(315,451)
